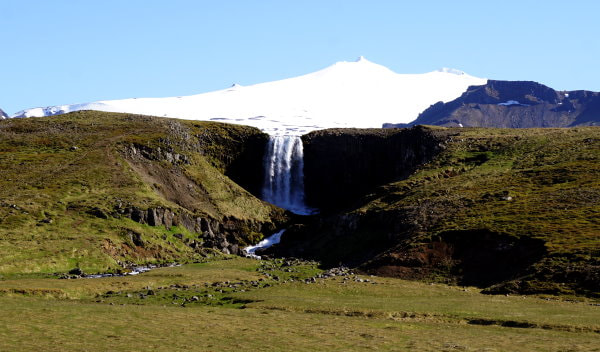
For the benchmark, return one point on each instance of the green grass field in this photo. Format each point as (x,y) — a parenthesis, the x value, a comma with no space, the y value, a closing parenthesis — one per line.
(249,305)
(64,181)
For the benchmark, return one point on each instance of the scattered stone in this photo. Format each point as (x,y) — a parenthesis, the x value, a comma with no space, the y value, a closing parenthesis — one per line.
(76,271)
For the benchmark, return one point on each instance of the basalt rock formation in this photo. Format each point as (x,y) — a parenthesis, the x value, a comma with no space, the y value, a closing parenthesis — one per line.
(508,210)
(341,165)
(514,104)
(227,234)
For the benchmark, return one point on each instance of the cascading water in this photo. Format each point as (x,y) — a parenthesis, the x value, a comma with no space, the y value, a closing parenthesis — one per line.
(284,182)
(284,174)
(266,243)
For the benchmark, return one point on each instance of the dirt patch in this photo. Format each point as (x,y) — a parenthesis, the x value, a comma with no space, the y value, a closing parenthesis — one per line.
(172,184)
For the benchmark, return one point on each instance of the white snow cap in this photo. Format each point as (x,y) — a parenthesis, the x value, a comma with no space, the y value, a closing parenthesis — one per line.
(359,94)
(451,70)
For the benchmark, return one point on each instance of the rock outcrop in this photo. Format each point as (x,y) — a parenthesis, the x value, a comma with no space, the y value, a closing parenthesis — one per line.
(514,104)
(227,235)
(474,206)
(237,153)
(341,165)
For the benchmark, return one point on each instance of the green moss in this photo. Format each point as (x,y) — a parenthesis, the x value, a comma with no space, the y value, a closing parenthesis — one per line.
(539,183)
(61,179)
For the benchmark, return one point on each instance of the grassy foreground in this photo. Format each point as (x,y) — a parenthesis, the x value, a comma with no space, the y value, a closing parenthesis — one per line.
(248,305)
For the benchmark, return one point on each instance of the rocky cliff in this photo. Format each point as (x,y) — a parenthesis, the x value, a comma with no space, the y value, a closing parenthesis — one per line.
(514,104)
(341,165)
(509,210)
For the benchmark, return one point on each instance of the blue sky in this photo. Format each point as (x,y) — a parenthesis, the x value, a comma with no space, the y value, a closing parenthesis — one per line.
(61,52)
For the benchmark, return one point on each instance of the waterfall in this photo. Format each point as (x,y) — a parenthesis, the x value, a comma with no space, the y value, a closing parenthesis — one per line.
(284,174)
(284,182)
(266,243)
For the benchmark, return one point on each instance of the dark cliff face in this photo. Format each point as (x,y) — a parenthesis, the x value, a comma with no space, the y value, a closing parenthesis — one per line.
(239,154)
(341,165)
(471,206)
(514,104)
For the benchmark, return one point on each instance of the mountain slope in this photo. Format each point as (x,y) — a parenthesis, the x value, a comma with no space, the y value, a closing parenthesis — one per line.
(95,190)
(346,94)
(515,104)
(3,114)
(510,210)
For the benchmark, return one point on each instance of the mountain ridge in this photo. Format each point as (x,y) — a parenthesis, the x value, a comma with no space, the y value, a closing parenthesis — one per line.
(359,94)
(514,104)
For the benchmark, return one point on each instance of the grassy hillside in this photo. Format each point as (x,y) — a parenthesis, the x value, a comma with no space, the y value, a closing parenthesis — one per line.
(514,210)
(72,189)
(507,211)
(539,184)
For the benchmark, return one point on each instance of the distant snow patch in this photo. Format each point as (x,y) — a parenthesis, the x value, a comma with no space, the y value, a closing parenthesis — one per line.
(512,102)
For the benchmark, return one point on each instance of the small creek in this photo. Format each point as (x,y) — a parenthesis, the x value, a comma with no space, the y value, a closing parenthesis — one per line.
(136,270)
(266,243)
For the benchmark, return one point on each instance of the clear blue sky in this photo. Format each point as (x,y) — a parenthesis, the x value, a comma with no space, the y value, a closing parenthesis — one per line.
(61,52)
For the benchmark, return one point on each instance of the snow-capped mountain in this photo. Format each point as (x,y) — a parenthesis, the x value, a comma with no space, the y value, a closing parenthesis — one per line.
(346,94)
(3,115)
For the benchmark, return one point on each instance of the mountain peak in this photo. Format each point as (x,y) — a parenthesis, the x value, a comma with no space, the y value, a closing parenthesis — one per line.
(515,104)
(360,66)
(357,93)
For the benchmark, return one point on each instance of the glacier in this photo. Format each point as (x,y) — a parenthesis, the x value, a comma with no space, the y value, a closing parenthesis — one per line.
(346,94)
